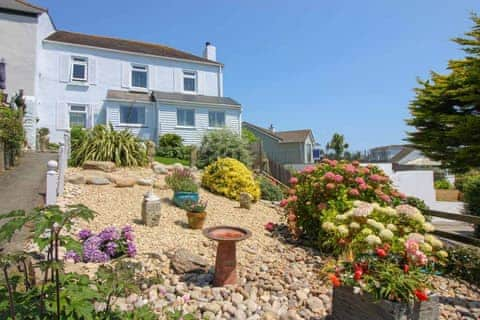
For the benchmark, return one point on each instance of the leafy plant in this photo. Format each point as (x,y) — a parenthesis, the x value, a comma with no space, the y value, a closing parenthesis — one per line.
(269,190)
(197,207)
(464,263)
(171,146)
(249,136)
(42,132)
(471,197)
(103,143)
(443,184)
(11,128)
(181,180)
(179,315)
(460,179)
(223,144)
(230,177)
(338,145)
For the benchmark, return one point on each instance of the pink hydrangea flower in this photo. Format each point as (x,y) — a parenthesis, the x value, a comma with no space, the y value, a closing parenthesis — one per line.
(411,246)
(359,180)
(330,186)
(309,169)
(329,176)
(363,187)
(292,198)
(385,198)
(293,180)
(338,178)
(349,168)
(354,192)
(375,177)
(283,203)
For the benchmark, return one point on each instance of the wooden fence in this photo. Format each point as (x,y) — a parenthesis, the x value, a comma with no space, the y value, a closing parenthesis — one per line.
(279,172)
(456,217)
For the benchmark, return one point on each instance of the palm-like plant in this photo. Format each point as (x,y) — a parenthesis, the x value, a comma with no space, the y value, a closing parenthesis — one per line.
(337,144)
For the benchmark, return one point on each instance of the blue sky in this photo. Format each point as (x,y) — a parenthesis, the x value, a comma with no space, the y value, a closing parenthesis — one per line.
(332,66)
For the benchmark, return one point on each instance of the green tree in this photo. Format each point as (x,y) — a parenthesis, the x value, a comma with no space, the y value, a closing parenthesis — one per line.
(338,145)
(446,109)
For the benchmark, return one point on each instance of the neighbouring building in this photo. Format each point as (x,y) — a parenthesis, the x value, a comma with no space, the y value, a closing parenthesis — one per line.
(400,155)
(73,79)
(285,147)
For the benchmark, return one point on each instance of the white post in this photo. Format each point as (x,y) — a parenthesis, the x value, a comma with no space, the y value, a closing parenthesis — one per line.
(62,164)
(68,147)
(52,180)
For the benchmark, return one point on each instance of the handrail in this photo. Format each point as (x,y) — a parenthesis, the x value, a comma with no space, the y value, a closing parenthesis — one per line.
(456,217)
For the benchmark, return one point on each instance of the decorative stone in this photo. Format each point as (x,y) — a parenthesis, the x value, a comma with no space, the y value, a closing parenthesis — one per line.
(245,200)
(151,210)
(159,168)
(183,261)
(105,166)
(125,182)
(145,182)
(76,179)
(99,181)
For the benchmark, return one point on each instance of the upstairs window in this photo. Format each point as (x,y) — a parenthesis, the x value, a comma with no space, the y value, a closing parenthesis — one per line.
(79,69)
(216,119)
(132,115)
(78,116)
(189,81)
(185,117)
(139,76)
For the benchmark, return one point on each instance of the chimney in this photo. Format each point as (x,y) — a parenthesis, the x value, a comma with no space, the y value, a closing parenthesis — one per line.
(210,52)
(272,128)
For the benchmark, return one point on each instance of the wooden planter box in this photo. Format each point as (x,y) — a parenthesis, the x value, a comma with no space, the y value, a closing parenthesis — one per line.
(447,195)
(349,306)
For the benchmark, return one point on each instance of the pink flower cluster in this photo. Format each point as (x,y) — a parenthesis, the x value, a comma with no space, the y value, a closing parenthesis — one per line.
(414,255)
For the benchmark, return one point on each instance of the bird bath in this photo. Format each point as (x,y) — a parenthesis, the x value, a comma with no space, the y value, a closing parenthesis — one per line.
(226,260)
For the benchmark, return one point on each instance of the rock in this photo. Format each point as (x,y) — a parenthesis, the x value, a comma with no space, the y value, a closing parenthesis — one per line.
(177,166)
(125,182)
(105,166)
(208,315)
(315,304)
(183,261)
(76,179)
(212,307)
(159,168)
(237,299)
(302,295)
(160,185)
(245,200)
(290,315)
(269,315)
(144,182)
(240,315)
(99,181)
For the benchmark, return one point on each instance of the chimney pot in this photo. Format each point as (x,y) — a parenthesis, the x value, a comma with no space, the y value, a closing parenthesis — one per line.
(210,52)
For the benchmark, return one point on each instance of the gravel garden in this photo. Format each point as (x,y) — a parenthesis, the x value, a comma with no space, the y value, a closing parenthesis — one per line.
(130,239)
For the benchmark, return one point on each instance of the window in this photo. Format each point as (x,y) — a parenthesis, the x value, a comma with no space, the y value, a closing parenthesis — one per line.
(309,153)
(78,116)
(189,79)
(216,119)
(132,115)
(79,69)
(139,76)
(186,117)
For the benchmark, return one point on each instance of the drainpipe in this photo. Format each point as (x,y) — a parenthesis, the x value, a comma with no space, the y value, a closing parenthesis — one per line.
(220,81)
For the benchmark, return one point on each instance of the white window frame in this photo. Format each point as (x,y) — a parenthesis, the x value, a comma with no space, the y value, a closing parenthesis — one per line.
(139,124)
(224,119)
(85,112)
(82,61)
(139,68)
(190,74)
(186,125)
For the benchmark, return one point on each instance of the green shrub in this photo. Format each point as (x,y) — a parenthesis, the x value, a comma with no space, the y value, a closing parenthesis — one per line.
(269,190)
(223,144)
(105,144)
(471,197)
(11,128)
(443,184)
(248,136)
(464,263)
(461,178)
(181,180)
(170,145)
(230,177)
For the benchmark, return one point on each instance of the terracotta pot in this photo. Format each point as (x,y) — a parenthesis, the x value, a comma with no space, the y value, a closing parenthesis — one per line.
(196,219)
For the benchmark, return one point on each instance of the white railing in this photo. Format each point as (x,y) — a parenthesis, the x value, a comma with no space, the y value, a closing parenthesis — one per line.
(55,181)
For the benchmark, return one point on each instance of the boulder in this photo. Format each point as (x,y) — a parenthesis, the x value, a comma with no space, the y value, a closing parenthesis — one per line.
(183,261)
(159,168)
(105,166)
(76,179)
(125,182)
(144,182)
(99,181)
(245,200)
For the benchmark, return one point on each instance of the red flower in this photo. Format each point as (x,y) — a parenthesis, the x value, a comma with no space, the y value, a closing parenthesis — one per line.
(358,275)
(381,252)
(354,192)
(270,226)
(406,267)
(421,295)
(293,180)
(283,203)
(293,198)
(335,281)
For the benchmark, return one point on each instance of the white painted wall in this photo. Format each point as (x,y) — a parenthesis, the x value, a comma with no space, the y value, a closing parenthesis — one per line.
(106,71)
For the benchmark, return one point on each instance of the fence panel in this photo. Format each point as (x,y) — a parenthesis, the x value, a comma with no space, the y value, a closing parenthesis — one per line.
(279,172)
(456,217)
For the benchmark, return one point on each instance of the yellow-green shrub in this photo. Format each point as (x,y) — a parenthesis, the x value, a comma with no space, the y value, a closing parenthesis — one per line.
(230,177)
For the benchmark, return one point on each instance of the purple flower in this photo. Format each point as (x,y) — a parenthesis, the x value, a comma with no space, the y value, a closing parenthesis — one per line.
(72,255)
(131,249)
(127,232)
(84,234)
(111,248)
(91,249)
(109,234)
(96,256)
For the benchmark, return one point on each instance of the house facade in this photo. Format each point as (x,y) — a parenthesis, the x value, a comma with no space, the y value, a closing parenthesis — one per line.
(285,147)
(149,89)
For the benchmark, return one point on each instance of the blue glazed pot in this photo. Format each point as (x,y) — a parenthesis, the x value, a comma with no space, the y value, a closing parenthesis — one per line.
(180,197)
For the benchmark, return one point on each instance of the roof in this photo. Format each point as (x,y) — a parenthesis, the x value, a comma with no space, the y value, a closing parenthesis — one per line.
(21,7)
(283,136)
(159,96)
(402,154)
(124,45)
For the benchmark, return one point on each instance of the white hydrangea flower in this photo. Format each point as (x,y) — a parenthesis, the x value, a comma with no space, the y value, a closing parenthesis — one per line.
(354,225)
(386,234)
(389,211)
(428,227)
(328,226)
(437,244)
(341,217)
(426,247)
(373,240)
(429,238)
(392,227)
(442,254)
(362,209)
(417,237)
(366,231)
(375,224)
(343,230)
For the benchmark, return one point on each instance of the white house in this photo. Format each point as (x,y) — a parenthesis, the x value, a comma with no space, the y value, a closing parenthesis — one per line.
(150,89)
